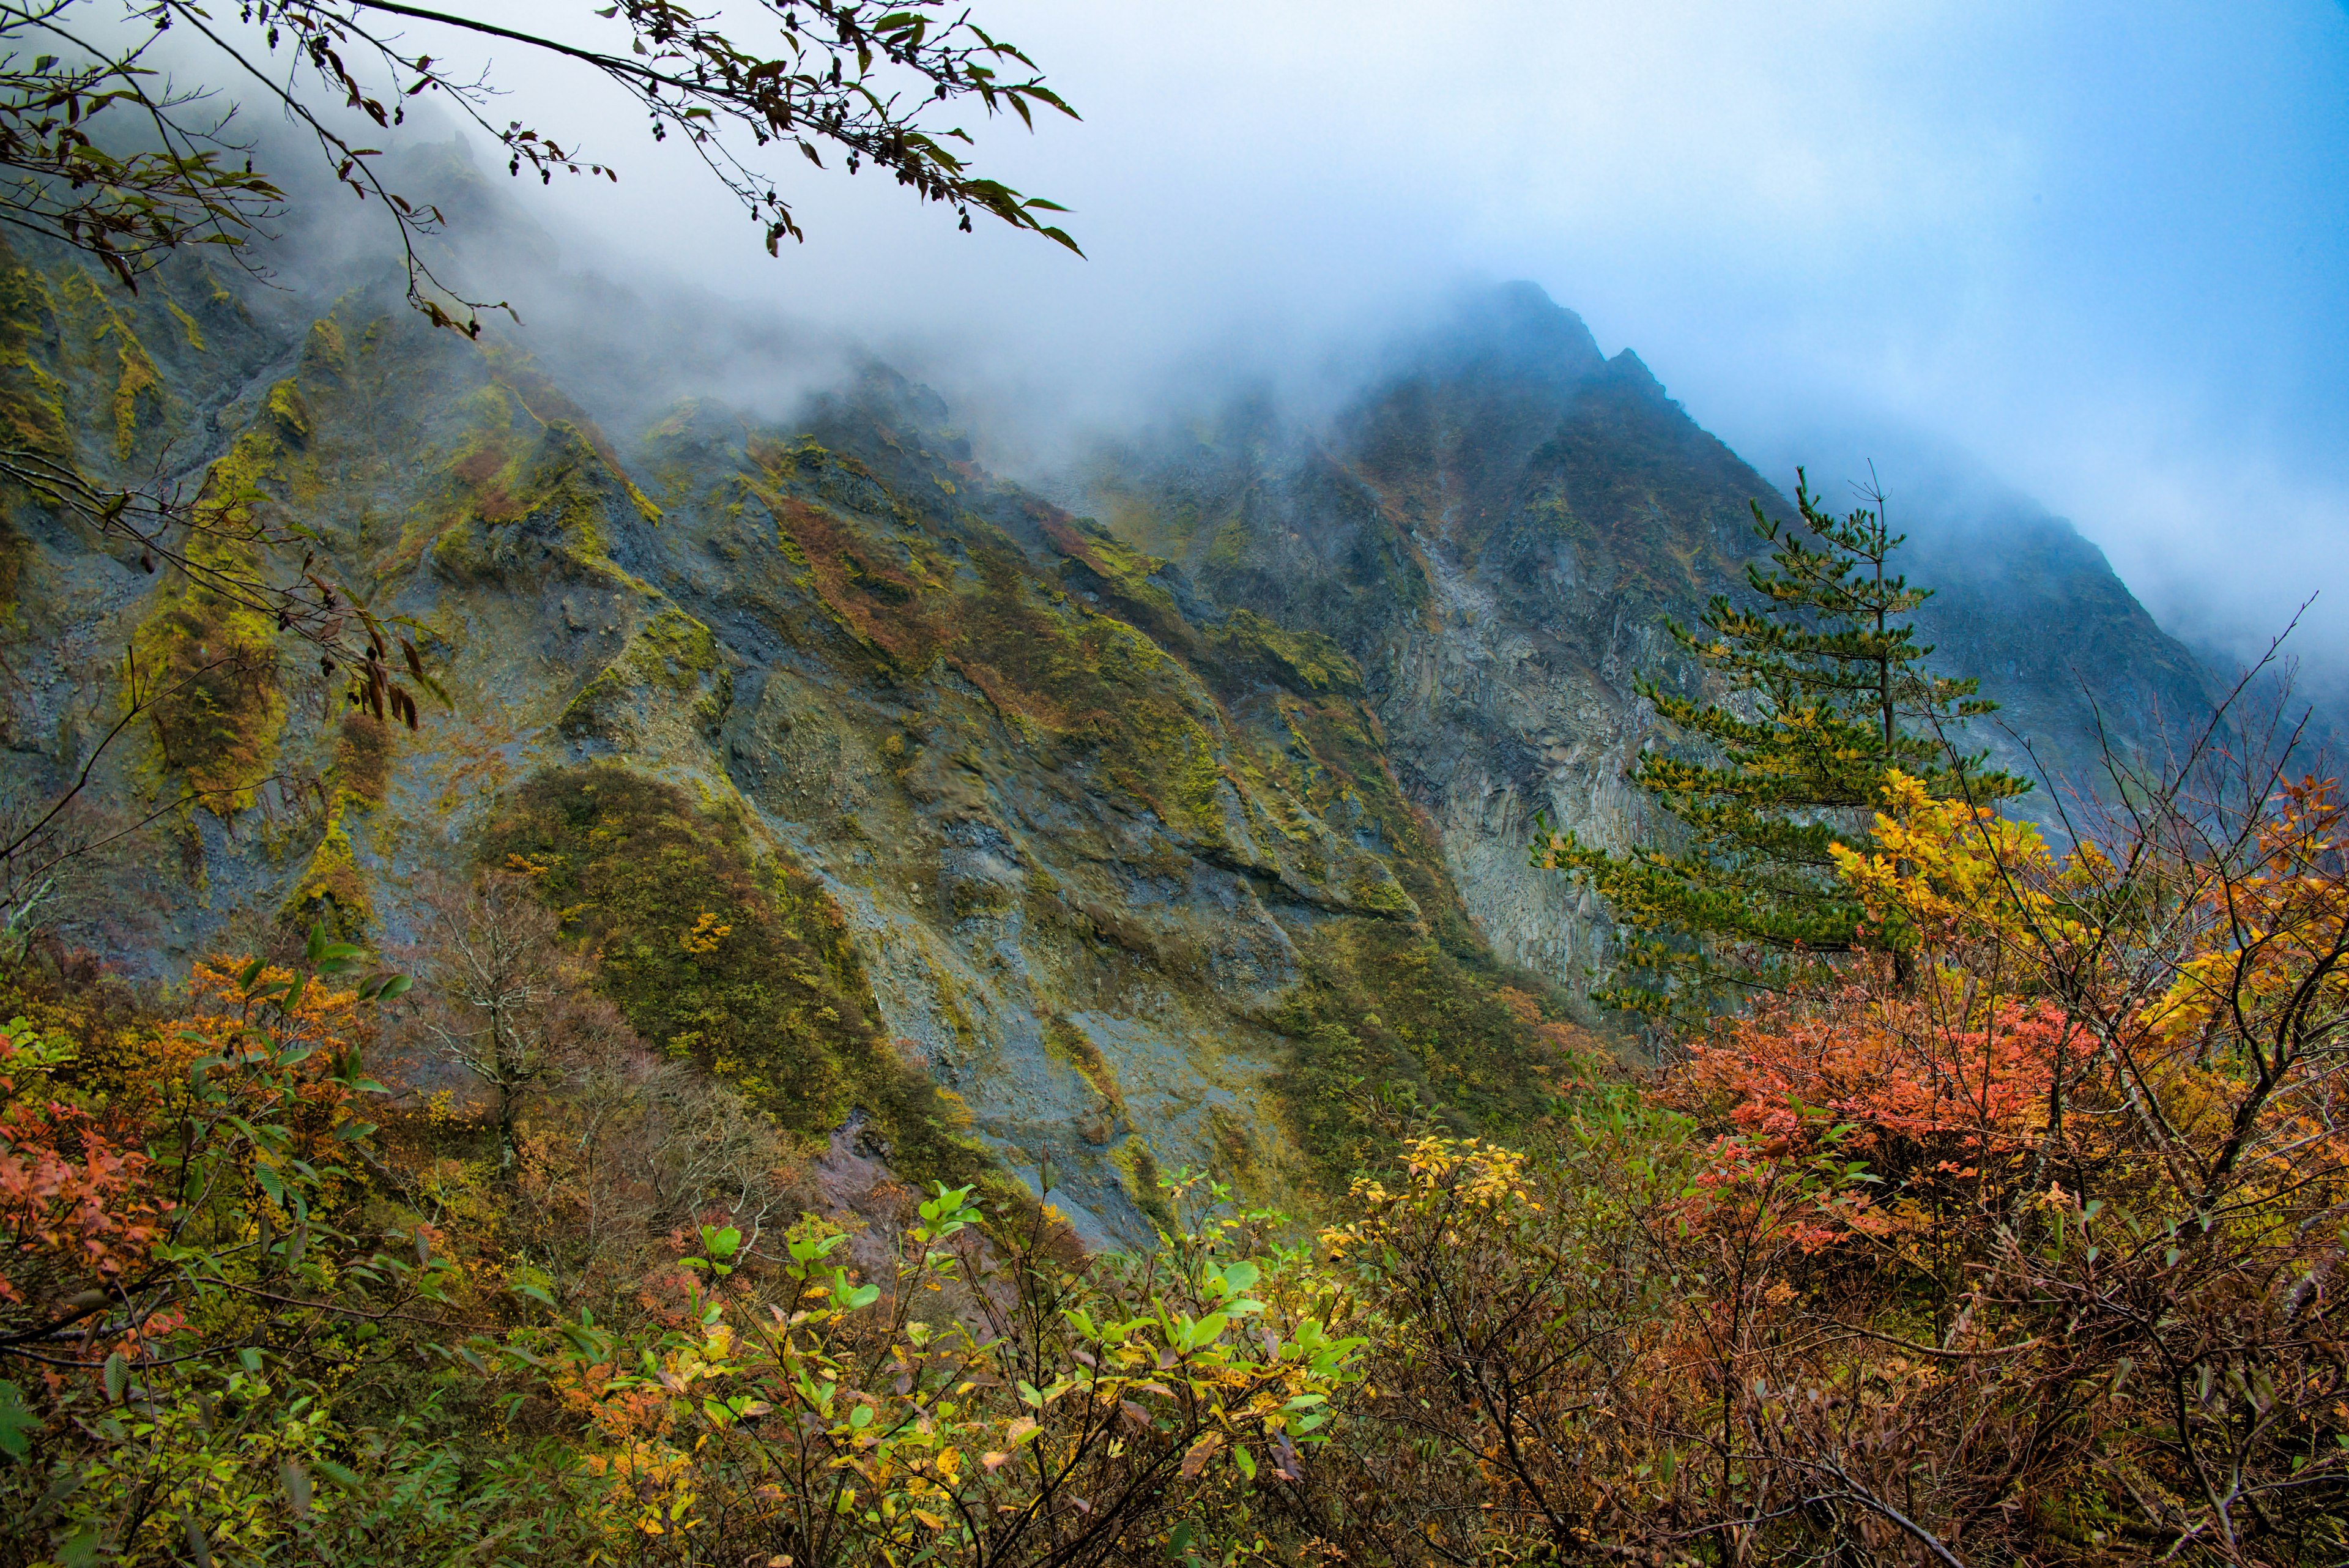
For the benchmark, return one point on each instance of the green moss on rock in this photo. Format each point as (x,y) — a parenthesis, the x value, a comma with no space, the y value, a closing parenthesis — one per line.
(363,752)
(1138,1167)
(216,704)
(672,652)
(1074,1046)
(1306,662)
(332,890)
(726,955)
(32,400)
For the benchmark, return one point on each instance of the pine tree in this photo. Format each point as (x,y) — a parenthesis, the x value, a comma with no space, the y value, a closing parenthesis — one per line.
(1818,692)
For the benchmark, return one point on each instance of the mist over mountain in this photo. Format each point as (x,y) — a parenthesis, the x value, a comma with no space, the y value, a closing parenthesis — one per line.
(934,897)
(1496,526)
(1109,821)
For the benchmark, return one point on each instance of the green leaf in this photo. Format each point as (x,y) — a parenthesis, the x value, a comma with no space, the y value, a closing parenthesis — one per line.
(116,1376)
(16,1422)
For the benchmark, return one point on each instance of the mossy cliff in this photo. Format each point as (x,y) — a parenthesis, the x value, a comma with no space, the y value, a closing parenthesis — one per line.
(1495,530)
(1000,839)
(920,810)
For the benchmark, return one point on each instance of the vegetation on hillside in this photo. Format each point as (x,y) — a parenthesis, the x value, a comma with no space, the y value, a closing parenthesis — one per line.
(115,157)
(724,959)
(2029,1257)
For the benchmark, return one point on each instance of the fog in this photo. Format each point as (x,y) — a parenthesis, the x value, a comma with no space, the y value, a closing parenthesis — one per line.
(2093,253)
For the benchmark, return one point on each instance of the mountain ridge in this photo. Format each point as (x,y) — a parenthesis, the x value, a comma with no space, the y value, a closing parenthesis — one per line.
(1080,897)
(1053,854)
(1516,536)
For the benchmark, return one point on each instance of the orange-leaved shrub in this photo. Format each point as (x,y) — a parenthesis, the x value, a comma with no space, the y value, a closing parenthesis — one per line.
(2018,1242)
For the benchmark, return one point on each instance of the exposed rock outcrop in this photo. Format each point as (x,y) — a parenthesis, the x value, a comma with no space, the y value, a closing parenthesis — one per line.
(1495,529)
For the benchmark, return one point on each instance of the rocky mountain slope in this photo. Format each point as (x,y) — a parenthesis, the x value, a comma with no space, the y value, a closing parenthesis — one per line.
(936,820)
(1495,529)
(973,836)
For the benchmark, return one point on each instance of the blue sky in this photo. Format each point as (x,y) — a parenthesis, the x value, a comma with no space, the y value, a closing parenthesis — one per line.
(2099,251)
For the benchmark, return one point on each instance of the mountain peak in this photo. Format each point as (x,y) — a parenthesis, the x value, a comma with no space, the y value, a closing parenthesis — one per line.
(1632,371)
(1511,329)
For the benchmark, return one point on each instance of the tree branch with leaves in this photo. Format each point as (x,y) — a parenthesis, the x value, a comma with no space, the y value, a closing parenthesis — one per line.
(862,81)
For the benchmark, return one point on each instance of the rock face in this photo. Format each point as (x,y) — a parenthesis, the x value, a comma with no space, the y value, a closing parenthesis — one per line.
(1044,864)
(1496,530)
(972,837)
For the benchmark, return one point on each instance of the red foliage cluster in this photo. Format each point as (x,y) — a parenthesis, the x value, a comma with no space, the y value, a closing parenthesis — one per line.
(72,1202)
(1895,1073)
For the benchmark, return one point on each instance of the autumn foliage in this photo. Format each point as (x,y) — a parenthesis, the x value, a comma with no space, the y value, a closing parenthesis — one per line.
(595,1322)
(2018,1242)
(2014,1239)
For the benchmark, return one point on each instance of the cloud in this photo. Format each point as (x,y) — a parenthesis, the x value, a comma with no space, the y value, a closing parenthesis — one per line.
(2097,249)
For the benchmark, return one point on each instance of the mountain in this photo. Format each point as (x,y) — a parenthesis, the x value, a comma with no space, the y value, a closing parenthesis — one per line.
(970,835)
(1495,529)
(936,821)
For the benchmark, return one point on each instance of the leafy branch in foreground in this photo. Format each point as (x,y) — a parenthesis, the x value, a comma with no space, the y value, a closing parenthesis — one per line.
(188,185)
(858,78)
(185,1217)
(988,1400)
